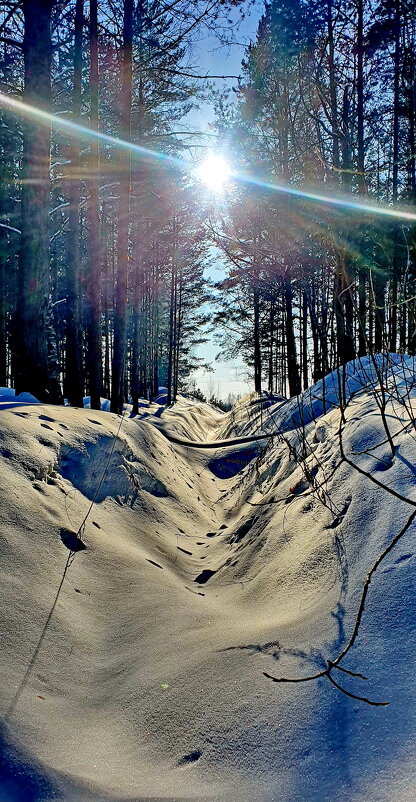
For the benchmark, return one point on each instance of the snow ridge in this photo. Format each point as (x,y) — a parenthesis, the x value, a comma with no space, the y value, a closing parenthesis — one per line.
(202,571)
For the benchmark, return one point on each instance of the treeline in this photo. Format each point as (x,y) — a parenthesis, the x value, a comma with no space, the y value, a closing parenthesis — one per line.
(102,248)
(327,100)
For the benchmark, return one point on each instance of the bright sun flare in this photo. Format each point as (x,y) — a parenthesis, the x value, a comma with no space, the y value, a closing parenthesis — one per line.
(214,172)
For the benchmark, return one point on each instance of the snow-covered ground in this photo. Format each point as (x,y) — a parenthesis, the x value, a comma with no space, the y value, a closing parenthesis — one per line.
(144,677)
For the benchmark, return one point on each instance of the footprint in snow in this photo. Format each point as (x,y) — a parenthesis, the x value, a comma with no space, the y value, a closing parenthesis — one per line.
(46,417)
(6,454)
(71,540)
(204,576)
(403,558)
(191,757)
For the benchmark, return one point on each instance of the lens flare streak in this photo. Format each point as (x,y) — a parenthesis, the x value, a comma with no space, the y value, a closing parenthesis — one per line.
(77,129)
(334,200)
(81,130)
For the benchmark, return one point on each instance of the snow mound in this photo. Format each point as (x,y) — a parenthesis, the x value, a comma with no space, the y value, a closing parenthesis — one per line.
(134,646)
(396,372)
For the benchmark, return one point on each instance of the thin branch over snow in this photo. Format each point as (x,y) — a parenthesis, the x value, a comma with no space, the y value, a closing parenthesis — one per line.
(10,228)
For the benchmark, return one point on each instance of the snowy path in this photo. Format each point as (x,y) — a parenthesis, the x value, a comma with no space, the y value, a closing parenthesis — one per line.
(149,681)
(227,443)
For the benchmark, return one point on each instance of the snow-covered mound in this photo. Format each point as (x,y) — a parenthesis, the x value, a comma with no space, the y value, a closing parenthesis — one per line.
(396,372)
(134,648)
(8,398)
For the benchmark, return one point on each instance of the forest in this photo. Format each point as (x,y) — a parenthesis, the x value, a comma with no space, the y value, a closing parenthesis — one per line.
(205,598)
(105,247)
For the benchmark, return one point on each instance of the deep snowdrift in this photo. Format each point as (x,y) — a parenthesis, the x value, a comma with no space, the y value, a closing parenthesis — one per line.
(147,681)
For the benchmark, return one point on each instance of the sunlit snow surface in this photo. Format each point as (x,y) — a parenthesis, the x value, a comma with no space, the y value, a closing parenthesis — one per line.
(149,681)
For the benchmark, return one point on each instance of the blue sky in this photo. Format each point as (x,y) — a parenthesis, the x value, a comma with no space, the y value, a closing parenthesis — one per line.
(227,377)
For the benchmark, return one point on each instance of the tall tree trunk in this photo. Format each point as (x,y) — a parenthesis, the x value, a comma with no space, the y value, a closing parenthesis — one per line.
(172,313)
(344,312)
(362,311)
(119,353)
(73,384)
(395,176)
(135,315)
(256,330)
(156,325)
(311,302)
(343,300)
(346,146)
(360,98)
(323,333)
(333,92)
(93,272)
(135,362)
(3,299)
(271,356)
(31,320)
(339,317)
(304,339)
(362,188)
(107,245)
(292,365)
(378,290)
(409,310)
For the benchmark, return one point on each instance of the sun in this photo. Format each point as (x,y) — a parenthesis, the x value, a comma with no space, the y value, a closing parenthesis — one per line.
(214,172)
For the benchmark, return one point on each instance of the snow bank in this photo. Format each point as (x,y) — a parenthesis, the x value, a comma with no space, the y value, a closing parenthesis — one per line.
(9,399)
(253,414)
(148,681)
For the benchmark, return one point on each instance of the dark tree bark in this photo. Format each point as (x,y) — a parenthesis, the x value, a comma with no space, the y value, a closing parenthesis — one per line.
(137,296)
(31,321)
(271,378)
(304,340)
(292,365)
(73,384)
(360,98)
(335,135)
(172,315)
(256,331)
(155,339)
(93,272)
(395,176)
(343,290)
(3,302)
(317,371)
(120,317)
(179,323)
(409,310)
(362,188)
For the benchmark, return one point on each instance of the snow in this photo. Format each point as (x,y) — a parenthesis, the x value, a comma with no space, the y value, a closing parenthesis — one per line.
(202,570)
(9,399)
(360,376)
